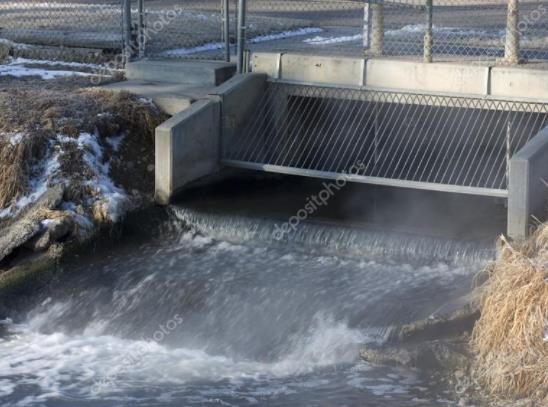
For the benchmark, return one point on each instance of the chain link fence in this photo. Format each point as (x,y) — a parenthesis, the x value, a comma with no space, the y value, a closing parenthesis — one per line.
(432,29)
(477,30)
(71,30)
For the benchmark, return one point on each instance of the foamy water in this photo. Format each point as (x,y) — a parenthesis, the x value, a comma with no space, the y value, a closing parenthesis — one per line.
(192,318)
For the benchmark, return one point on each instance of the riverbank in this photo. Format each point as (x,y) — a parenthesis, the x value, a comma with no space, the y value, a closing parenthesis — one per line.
(73,160)
(510,340)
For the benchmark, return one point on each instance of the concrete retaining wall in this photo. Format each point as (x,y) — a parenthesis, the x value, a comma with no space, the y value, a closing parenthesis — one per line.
(522,83)
(238,97)
(187,148)
(528,186)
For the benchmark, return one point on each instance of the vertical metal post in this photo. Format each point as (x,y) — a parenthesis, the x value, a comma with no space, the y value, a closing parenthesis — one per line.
(141,29)
(366,25)
(241,35)
(511,48)
(428,38)
(377,28)
(126,15)
(226,28)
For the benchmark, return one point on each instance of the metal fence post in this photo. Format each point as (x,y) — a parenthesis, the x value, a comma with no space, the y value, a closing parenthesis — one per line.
(226,28)
(511,47)
(126,26)
(241,35)
(428,38)
(377,28)
(141,28)
(366,25)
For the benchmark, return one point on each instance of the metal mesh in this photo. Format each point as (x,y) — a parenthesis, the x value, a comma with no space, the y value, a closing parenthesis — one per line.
(184,28)
(471,29)
(391,138)
(62,29)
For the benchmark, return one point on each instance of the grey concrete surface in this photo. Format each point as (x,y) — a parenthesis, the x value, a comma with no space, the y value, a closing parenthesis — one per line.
(459,78)
(177,71)
(238,97)
(187,148)
(528,186)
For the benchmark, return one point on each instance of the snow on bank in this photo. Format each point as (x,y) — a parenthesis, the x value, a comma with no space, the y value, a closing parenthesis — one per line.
(18,69)
(38,185)
(112,200)
(212,46)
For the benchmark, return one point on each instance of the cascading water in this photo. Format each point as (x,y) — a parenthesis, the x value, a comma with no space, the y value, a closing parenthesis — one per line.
(208,309)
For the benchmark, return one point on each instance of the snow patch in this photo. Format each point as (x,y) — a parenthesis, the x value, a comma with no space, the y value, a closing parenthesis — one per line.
(19,70)
(212,46)
(37,186)
(114,199)
(319,40)
(286,34)
(115,142)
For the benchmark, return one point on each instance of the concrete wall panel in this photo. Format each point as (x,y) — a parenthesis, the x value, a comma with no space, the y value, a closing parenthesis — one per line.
(187,148)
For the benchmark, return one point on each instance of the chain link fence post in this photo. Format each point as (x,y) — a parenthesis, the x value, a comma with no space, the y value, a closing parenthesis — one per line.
(377,28)
(428,36)
(511,47)
(226,28)
(126,26)
(141,28)
(241,35)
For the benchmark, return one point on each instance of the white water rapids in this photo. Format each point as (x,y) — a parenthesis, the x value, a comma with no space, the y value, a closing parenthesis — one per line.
(205,310)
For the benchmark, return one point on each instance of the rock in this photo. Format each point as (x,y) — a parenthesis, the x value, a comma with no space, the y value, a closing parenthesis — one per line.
(5,48)
(52,231)
(29,224)
(429,355)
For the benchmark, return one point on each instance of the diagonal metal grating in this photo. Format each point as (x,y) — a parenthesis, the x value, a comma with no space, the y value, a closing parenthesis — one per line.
(446,143)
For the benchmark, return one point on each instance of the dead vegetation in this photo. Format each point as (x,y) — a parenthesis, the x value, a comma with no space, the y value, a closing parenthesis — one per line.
(509,338)
(39,111)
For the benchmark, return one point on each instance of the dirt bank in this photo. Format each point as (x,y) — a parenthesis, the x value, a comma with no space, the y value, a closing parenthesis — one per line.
(73,160)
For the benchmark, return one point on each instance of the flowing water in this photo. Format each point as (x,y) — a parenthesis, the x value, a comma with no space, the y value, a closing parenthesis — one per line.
(208,309)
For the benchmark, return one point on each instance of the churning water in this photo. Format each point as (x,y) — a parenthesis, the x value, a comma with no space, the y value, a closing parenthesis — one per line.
(207,309)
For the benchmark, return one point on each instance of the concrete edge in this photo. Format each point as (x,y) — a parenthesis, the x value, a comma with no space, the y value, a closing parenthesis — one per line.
(527,187)
(186,148)
(398,74)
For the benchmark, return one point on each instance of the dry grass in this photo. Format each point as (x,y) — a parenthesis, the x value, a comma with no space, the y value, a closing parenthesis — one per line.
(508,340)
(42,110)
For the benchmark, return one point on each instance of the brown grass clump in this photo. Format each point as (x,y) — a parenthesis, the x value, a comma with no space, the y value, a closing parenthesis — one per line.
(508,340)
(41,110)
(16,162)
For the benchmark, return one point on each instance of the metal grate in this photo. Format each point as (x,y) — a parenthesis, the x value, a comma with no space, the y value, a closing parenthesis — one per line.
(448,143)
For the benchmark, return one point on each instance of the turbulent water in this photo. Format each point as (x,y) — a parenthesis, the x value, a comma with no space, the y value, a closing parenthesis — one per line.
(209,309)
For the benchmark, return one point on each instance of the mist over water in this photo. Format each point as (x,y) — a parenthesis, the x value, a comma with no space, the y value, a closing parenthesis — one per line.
(208,308)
